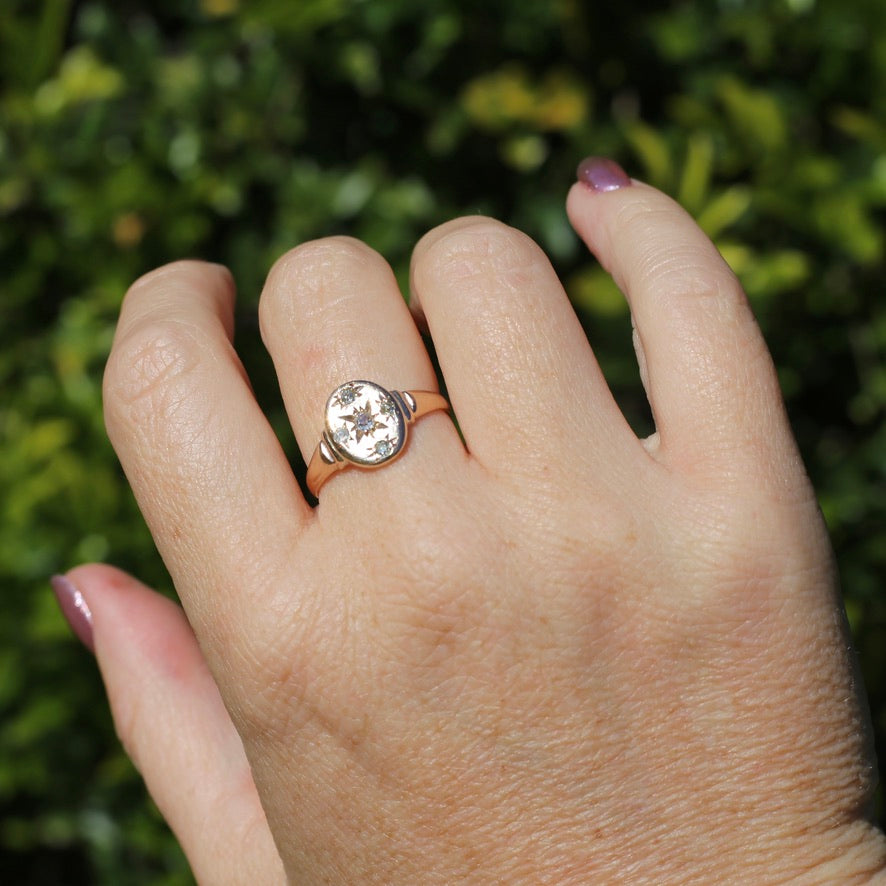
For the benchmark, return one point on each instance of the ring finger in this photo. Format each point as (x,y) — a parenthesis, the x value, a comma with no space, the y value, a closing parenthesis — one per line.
(331,312)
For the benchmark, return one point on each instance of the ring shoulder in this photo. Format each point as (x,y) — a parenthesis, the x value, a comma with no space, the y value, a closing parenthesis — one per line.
(421,403)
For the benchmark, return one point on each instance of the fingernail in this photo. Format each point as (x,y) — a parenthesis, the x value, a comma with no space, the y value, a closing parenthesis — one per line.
(74,608)
(602,174)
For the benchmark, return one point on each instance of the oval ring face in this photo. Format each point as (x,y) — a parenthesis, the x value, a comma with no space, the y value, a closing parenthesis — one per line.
(364,423)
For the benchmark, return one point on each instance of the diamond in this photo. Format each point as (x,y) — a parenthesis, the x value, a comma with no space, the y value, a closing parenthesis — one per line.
(346,394)
(341,436)
(386,406)
(384,448)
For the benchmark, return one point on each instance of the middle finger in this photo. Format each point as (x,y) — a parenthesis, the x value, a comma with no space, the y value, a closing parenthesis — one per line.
(524,382)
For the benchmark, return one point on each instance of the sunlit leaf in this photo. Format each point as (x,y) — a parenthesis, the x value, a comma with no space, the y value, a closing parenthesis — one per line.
(724,209)
(653,152)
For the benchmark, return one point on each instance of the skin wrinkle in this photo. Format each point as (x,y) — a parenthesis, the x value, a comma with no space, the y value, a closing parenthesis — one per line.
(632,221)
(339,312)
(685,274)
(150,356)
(299,286)
(652,269)
(335,354)
(310,267)
(290,692)
(473,247)
(152,378)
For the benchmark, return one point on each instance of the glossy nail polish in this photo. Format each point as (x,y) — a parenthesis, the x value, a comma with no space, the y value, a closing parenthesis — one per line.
(74,608)
(602,174)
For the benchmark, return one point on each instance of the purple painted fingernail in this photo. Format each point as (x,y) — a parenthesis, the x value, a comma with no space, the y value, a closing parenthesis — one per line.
(602,174)
(74,608)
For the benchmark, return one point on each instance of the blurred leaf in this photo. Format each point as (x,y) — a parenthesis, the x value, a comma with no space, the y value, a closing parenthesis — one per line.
(508,97)
(592,289)
(296,19)
(525,152)
(862,126)
(83,77)
(756,115)
(842,217)
(653,152)
(724,209)
(696,178)
(765,275)
(31,43)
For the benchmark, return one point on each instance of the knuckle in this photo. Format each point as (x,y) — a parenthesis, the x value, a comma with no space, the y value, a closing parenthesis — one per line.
(688,268)
(643,219)
(172,273)
(314,268)
(734,561)
(156,346)
(482,248)
(693,274)
(147,369)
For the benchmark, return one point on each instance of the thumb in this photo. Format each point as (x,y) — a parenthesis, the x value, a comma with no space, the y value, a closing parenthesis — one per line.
(169,715)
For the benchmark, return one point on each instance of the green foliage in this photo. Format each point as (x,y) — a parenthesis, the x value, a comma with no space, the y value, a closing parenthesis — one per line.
(132,134)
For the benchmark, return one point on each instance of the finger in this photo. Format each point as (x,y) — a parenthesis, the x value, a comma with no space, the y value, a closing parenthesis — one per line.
(331,312)
(523,380)
(710,381)
(171,720)
(203,462)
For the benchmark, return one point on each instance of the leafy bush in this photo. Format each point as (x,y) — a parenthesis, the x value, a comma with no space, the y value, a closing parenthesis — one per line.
(132,134)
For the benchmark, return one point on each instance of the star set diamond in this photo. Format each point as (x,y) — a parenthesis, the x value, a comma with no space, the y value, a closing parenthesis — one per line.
(364,423)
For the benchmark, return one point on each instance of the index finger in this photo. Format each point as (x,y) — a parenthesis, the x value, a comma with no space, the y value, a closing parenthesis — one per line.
(708,374)
(206,468)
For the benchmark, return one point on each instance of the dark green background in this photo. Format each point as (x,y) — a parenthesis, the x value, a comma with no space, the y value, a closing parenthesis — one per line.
(132,134)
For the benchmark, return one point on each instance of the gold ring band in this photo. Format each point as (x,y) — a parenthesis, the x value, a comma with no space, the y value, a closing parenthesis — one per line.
(366,427)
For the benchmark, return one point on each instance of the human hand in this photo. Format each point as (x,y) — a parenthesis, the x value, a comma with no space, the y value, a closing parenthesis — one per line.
(553,653)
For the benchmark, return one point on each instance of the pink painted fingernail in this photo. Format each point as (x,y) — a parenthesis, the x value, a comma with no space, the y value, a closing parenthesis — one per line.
(602,174)
(74,608)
